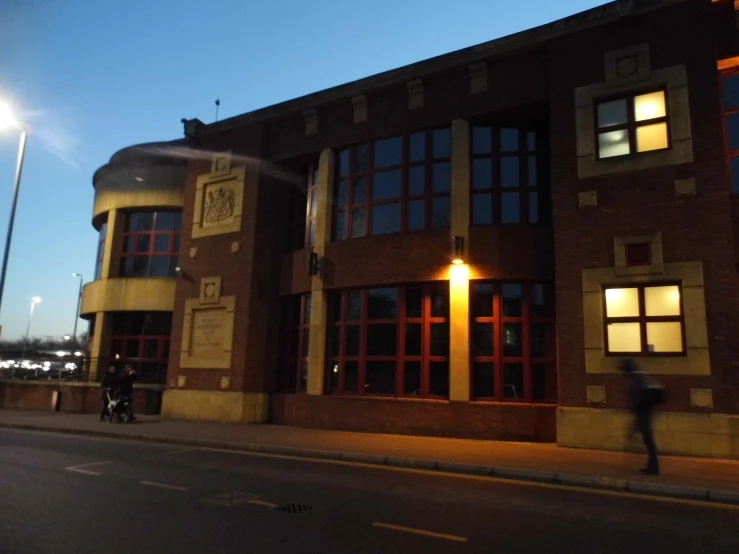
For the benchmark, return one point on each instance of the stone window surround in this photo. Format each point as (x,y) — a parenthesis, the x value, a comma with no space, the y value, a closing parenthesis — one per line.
(674,79)
(690,276)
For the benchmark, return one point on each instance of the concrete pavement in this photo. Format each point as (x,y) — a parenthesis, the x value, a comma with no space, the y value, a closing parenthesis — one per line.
(694,478)
(71,494)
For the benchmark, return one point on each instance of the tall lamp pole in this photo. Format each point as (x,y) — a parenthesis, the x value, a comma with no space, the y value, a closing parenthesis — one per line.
(77,312)
(7,120)
(35,300)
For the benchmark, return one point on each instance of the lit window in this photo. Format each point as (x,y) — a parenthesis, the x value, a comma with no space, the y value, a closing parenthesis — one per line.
(632,124)
(644,320)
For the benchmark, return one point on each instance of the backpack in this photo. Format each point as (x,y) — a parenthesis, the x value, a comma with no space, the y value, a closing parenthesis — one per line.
(655,395)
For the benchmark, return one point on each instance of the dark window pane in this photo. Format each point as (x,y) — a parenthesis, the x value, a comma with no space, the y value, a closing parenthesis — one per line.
(511,209)
(334,314)
(542,300)
(509,171)
(151,349)
(342,194)
(440,208)
(173,263)
(339,226)
(512,340)
(512,300)
(359,191)
(735,175)
(351,346)
(116,347)
(482,140)
(382,303)
(418,147)
(733,131)
(413,301)
(482,173)
(482,342)
(145,221)
(439,299)
(388,152)
(354,305)
(533,207)
(332,378)
(386,185)
(482,209)
(513,381)
(482,298)
(442,143)
(509,140)
(312,232)
(540,340)
(531,141)
(544,382)
(351,377)
(532,171)
(413,339)
(612,113)
(178,221)
(385,219)
(307,305)
(306,342)
(416,180)
(442,178)
(160,266)
(313,202)
(360,158)
(439,379)
(303,378)
(731,91)
(439,339)
(132,222)
(358,222)
(132,348)
(143,243)
(380,378)
(344,163)
(412,379)
(129,245)
(314,174)
(416,218)
(335,340)
(483,380)
(141,266)
(294,337)
(176,245)
(164,221)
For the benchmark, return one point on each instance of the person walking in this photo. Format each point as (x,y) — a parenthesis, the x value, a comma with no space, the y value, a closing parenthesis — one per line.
(107,390)
(645,394)
(128,378)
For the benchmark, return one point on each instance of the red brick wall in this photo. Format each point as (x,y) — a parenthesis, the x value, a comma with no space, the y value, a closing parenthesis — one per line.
(482,421)
(693,228)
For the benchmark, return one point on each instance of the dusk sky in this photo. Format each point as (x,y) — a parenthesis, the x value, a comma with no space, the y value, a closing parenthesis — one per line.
(89,77)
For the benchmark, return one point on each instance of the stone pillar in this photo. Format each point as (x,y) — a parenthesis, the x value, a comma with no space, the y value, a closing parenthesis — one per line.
(112,254)
(319,309)
(459,312)
(100,348)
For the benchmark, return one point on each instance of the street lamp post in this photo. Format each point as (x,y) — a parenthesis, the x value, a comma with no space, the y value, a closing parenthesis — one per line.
(77,312)
(7,120)
(35,300)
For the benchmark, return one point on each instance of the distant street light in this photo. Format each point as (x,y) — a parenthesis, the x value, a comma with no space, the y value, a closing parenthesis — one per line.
(8,120)
(35,300)
(77,311)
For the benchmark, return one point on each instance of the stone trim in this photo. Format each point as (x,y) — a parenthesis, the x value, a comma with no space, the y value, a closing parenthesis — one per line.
(675,79)
(232,184)
(690,275)
(596,394)
(685,187)
(655,246)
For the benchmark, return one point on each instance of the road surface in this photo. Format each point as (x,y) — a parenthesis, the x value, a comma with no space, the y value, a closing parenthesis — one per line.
(61,494)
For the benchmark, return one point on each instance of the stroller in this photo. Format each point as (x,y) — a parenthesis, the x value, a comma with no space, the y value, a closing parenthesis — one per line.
(118,407)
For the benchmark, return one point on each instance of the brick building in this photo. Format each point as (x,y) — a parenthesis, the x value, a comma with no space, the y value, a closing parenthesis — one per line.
(462,247)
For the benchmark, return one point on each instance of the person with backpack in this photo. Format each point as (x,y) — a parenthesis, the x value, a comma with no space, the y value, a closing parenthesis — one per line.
(645,394)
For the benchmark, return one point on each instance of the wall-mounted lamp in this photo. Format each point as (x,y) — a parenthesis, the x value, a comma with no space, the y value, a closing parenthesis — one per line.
(180,273)
(314,264)
(457,250)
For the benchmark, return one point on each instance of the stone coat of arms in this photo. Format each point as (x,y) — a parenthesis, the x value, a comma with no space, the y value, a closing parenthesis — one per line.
(219,205)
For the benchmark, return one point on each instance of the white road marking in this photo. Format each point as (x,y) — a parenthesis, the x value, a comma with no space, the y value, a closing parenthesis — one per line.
(183,450)
(162,485)
(79,468)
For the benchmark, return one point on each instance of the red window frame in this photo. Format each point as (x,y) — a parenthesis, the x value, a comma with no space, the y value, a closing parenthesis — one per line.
(349,171)
(631,124)
(427,359)
(642,319)
(101,250)
(493,193)
(732,156)
(129,345)
(295,341)
(533,365)
(138,244)
(311,206)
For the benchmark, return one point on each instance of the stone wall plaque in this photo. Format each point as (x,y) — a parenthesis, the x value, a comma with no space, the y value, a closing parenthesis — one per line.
(219,199)
(208,327)
(207,332)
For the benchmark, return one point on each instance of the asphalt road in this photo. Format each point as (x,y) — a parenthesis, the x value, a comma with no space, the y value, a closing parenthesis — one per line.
(62,494)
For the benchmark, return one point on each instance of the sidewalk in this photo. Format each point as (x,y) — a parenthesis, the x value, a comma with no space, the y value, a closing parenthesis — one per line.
(694,478)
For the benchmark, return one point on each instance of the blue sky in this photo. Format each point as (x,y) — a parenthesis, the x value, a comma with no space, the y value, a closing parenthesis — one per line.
(92,76)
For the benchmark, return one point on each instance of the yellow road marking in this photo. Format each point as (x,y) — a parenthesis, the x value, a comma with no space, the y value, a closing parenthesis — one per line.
(553,486)
(79,468)
(162,485)
(262,503)
(419,532)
